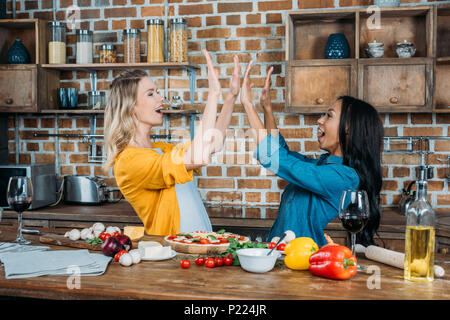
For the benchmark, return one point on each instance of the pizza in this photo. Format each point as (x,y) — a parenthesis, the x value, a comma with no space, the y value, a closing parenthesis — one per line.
(203,242)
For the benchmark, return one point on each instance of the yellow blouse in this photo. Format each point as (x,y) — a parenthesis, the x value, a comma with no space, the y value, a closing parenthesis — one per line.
(147,180)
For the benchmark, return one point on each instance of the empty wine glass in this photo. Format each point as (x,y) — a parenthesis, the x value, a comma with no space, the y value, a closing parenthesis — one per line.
(19,196)
(354,213)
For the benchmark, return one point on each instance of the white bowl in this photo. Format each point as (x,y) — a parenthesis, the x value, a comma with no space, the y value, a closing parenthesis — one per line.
(256,259)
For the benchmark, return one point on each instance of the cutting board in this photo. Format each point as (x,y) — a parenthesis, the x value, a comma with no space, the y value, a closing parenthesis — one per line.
(60,240)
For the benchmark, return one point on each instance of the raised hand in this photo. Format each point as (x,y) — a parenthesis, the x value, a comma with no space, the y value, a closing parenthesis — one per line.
(246,95)
(235,82)
(213,75)
(265,93)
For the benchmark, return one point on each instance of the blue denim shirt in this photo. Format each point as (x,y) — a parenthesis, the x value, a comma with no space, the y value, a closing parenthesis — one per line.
(311,199)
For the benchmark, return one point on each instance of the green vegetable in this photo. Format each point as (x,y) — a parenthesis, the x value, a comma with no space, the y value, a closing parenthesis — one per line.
(211,237)
(94,241)
(236,245)
(221,231)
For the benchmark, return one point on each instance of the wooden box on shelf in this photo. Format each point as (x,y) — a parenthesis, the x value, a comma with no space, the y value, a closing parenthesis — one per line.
(442,66)
(390,83)
(26,87)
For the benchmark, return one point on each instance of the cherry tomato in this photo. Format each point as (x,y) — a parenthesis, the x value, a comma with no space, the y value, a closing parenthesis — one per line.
(227,261)
(103,236)
(185,264)
(281,246)
(115,234)
(119,254)
(271,245)
(200,261)
(223,240)
(210,263)
(218,261)
(241,238)
(173,236)
(204,241)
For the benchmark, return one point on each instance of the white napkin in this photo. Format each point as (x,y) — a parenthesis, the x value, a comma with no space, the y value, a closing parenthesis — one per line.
(59,262)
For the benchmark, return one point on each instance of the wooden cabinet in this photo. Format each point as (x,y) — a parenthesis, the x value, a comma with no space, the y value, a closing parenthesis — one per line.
(390,84)
(442,65)
(27,88)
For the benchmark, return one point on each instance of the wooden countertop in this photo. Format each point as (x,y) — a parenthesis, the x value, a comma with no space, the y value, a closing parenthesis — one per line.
(167,280)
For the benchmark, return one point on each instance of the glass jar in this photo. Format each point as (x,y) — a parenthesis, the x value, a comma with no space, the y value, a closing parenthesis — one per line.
(108,53)
(84,46)
(178,40)
(57,43)
(420,237)
(155,40)
(176,103)
(131,46)
(97,100)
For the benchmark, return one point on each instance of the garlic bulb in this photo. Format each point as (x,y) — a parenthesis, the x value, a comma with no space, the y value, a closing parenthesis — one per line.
(126,260)
(74,234)
(135,256)
(98,226)
(111,230)
(87,233)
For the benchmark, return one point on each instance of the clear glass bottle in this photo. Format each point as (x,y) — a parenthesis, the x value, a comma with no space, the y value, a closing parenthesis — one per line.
(155,40)
(131,46)
(84,47)
(97,100)
(178,40)
(420,237)
(108,53)
(57,42)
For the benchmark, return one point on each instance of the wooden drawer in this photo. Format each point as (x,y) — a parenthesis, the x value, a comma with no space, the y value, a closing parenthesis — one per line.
(27,88)
(313,85)
(396,85)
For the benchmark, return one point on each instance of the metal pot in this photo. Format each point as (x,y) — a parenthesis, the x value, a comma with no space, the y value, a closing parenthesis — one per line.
(407,198)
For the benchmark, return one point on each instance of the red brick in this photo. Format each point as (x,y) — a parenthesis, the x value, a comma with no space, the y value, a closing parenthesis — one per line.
(153,11)
(214,171)
(254,183)
(185,10)
(423,131)
(274,5)
(205,183)
(220,33)
(253,196)
(309,4)
(234,7)
(224,196)
(254,32)
(120,12)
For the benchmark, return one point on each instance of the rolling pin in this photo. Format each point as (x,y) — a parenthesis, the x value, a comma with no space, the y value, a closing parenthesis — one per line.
(389,257)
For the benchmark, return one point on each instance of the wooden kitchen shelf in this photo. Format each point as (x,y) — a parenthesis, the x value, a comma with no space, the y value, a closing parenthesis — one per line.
(390,83)
(120,66)
(90,111)
(442,66)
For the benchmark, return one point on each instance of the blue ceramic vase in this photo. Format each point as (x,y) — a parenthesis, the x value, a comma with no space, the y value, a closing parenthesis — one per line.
(18,54)
(337,47)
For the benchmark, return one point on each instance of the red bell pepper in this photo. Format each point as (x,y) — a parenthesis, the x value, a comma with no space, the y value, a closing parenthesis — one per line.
(334,262)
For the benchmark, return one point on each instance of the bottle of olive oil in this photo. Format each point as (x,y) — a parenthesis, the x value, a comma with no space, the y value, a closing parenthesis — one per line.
(419,238)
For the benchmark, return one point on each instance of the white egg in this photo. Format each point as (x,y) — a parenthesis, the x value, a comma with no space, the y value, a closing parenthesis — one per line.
(126,260)
(135,256)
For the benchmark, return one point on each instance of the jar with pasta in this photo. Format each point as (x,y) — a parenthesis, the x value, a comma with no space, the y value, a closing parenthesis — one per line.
(178,40)
(155,40)
(131,46)
(57,43)
(108,53)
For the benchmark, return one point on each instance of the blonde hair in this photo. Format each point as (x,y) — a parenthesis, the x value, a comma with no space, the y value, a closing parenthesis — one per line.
(119,127)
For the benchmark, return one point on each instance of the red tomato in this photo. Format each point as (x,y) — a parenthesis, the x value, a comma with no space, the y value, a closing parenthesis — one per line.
(210,263)
(241,238)
(223,240)
(271,245)
(200,261)
(281,247)
(119,254)
(173,236)
(218,261)
(103,236)
(185,264)
(115,234)
(204,241)
(227,261)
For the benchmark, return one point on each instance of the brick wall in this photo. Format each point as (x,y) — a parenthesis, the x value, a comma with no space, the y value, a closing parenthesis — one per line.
(253,30)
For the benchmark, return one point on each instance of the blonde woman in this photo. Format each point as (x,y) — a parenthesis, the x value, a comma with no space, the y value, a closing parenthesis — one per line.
(156,177)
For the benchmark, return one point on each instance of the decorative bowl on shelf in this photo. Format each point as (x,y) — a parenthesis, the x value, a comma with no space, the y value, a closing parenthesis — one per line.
(18,54)
(337,47)
(405,49)
(386,3)
(375,49)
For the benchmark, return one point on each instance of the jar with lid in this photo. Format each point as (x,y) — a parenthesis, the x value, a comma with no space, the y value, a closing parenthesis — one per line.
(96,100)
(57,42)
(176,103)
(108,53)
(155,40)
(84,46)
(178,40)
(131,46)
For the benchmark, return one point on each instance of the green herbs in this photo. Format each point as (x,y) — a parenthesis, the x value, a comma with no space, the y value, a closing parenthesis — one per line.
(94,241)
(236,245)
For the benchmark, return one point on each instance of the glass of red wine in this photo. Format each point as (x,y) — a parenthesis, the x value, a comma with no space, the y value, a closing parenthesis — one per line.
(354,213)
(19,196)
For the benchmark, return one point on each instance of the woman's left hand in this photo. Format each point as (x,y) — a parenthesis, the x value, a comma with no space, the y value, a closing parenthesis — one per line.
(235,81)
(213,75)
(246,94)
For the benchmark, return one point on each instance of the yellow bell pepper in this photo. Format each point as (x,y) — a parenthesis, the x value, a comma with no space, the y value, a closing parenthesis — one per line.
(298,252)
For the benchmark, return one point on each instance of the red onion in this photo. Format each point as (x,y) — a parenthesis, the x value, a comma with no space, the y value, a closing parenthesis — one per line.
(125,241)
(111,246)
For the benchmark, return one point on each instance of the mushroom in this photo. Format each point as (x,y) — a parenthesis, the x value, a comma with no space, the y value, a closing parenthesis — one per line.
(111,230)
(87,233)
(98,227)
(74,234)
(126,260)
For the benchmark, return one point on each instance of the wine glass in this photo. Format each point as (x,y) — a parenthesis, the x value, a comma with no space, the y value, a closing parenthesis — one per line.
(19,196)
(354,213)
